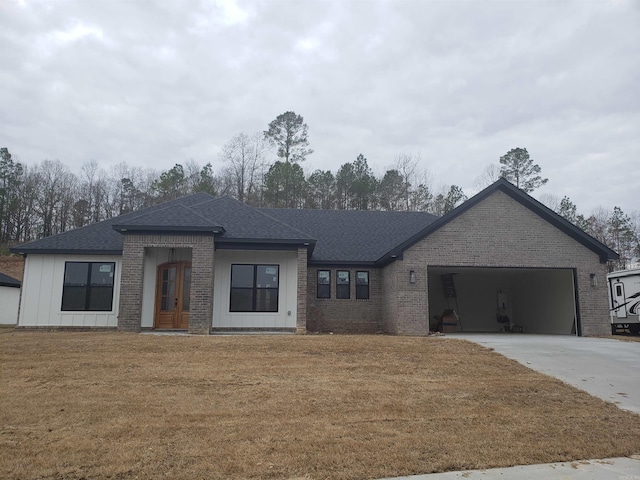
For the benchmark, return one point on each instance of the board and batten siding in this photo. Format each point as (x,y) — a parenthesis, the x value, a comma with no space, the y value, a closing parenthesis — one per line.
(286,315)
(41,302)
(9,299)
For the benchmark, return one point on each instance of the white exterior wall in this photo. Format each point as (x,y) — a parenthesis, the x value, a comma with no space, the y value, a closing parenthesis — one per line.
(9,300)
(42,293)
(286,315)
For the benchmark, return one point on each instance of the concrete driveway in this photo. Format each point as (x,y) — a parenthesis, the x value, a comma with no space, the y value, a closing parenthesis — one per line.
(606,368)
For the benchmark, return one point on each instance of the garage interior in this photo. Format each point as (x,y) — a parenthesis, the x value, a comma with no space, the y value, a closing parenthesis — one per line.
(526,300)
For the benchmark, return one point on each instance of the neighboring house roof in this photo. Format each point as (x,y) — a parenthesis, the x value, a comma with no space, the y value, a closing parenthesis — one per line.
(7,281)
(333,236)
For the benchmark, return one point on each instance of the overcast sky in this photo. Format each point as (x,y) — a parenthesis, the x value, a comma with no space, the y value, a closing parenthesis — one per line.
(159,82)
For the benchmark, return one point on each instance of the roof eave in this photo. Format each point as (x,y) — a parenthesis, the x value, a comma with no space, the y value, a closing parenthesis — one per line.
(227,242)
(61,251)
(128,229)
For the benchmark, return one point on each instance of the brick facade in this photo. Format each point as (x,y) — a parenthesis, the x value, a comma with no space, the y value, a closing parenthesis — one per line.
(202,261)
(345,315)
(497,232)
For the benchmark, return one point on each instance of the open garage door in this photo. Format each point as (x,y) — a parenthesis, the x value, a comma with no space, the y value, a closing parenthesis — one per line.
(537,300)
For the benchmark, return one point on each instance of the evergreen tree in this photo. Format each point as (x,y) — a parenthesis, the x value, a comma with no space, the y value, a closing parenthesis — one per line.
(519,169)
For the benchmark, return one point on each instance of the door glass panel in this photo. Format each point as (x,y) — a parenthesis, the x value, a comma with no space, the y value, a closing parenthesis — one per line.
(186,289)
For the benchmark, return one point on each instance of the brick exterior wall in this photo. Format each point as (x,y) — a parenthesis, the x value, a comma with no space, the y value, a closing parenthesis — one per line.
(301,320)
(202,261)
(345,315)
(498,232)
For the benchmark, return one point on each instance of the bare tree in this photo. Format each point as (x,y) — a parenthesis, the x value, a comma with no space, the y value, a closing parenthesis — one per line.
(244,156)
(489,175)
(55,182)
(551,201)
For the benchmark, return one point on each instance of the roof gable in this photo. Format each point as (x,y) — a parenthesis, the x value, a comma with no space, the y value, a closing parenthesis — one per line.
(604,252)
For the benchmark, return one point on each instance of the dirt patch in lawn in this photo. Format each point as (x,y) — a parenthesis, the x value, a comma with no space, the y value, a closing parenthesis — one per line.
(108,405)
(12,265)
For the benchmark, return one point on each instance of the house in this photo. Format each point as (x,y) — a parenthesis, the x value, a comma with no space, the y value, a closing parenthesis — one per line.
(9,299)
(208,265)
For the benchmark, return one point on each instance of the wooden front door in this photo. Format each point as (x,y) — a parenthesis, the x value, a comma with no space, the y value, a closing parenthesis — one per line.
(173,288)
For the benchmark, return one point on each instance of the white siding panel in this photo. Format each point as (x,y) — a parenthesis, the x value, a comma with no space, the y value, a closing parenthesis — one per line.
(9,299)
(285,317)
(42,293)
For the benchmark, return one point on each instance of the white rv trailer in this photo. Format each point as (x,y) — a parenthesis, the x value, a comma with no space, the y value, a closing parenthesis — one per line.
(624,301)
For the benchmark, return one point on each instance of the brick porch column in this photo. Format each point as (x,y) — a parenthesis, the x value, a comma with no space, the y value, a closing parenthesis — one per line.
(301,320)
(202,261)
(130,307)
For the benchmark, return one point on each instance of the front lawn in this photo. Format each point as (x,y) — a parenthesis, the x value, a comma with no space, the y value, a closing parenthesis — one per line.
(115,406)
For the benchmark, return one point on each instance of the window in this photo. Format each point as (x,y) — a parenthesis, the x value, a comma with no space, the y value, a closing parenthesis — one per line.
(362,285)
(88,286)
(324,284)
(342,284)
(254,288)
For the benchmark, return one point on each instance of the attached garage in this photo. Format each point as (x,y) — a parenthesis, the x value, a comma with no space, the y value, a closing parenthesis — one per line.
(495,299)
(500,247)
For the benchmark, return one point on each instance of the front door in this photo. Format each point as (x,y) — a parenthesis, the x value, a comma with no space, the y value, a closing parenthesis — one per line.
(173,287)
(619,301)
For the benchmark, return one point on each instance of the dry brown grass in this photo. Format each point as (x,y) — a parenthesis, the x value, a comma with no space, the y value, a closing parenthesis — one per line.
(108,405)
(624,338)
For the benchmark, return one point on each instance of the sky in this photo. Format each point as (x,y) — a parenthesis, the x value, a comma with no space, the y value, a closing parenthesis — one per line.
(455,83)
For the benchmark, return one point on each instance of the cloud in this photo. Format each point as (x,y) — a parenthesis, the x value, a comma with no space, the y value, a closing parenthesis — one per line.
(156,83)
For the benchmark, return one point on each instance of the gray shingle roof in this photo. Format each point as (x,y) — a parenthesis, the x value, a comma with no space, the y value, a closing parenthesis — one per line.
(334,236)
(99,238)
(171,218)
(7,281)
(354,236)
(242,222)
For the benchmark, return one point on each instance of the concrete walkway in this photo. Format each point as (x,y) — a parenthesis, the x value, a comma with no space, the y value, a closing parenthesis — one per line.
(603,367)
(605,469)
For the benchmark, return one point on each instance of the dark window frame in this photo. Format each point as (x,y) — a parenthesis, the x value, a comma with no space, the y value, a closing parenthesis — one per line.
(362,290)
(323,290)
(88,287)
(343,290)
(256,297)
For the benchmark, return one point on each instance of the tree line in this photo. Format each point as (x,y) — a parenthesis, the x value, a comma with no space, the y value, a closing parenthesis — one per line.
(47,198)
